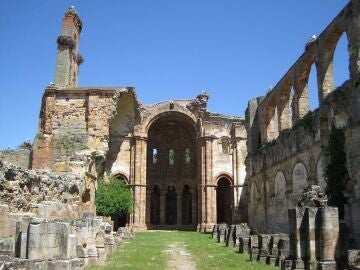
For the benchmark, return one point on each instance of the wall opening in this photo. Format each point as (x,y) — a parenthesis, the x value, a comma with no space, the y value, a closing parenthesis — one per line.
(224,201)
(171,206)
(341,61)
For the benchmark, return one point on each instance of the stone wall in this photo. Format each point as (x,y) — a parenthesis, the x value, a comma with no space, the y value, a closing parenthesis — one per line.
(287,144)
(19,157)
(23,190)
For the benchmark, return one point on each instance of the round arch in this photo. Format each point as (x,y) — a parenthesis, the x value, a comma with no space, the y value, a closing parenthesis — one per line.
(121,176)
(224,200)
(299,178)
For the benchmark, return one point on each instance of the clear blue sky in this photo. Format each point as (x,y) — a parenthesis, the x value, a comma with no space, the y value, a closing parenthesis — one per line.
(233,49)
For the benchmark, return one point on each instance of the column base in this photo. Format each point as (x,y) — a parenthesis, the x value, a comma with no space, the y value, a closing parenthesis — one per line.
(205,227)
(327,265)
(138,227)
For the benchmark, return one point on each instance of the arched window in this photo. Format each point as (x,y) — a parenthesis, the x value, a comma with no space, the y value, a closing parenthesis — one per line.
(154,156)
(187,156)
(225,146)
(171,156)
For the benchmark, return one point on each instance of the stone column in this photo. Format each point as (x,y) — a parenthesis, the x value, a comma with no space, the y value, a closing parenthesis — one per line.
(139,185)
(300,106)
(353,34)
(325,73)
(201,184)
(328,232)
(179,209)
(162,207)
(209,218)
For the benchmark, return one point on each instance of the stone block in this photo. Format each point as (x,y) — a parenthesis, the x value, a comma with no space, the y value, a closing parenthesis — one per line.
(327,265)
(7,246)
(254,254)
(244,244)
(59,265)
(353,257)
(286,264)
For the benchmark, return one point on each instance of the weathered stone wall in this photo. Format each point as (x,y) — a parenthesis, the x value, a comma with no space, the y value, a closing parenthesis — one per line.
(23,190)
(19,157)
(287,146)
(72,120)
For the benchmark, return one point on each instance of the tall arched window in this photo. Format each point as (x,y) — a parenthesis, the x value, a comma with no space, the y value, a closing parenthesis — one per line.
(187,156)
(154,156)
(171,156)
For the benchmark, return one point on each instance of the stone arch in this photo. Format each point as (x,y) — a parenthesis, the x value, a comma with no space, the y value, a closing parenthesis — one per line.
(173,134)
(225,145)
(164,110)
(121,176)
(299,178)
(278,219)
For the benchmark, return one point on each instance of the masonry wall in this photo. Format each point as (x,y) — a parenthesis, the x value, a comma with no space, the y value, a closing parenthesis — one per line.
(288,145)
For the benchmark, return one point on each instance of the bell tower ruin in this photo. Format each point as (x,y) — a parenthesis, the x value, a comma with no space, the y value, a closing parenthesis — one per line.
(68,57)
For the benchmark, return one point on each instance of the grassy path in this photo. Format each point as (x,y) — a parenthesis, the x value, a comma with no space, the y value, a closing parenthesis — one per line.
(150,250)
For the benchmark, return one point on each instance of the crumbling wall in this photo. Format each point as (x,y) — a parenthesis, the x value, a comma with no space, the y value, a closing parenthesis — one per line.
(287,144)
(73,119)
(19,157)
(22,190)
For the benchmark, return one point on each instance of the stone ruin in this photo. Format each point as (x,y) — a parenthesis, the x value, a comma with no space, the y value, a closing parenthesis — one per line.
(310,244)
(45,225)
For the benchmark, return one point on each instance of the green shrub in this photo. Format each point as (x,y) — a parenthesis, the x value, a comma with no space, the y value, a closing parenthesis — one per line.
(113,197)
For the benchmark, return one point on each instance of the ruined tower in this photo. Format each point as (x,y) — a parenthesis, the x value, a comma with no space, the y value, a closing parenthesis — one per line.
(68,57)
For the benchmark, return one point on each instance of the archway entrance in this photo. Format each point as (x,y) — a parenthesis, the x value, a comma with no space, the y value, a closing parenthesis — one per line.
(120,220)
(224,201)
(171,173)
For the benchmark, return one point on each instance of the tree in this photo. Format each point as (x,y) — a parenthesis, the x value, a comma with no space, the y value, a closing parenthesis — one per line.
(113,198)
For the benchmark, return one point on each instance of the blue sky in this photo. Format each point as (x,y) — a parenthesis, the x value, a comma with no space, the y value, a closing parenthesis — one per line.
(234,49)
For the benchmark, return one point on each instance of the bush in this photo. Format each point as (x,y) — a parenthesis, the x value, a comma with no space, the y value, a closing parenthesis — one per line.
(113,198)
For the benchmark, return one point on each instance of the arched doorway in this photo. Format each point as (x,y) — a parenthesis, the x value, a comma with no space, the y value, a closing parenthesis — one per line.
(186,215)
(155,206)
(171,206)
(171,164)
(120,220)
(224,201)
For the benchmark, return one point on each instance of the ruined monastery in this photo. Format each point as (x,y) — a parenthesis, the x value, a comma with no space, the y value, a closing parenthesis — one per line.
(191,169)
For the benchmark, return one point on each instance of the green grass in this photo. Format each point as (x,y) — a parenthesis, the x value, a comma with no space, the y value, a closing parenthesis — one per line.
(146,252)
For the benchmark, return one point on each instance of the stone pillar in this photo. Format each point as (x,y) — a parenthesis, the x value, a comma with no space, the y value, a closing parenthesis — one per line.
(201,185)
(328,225)
(300,106)
(325,73)
(179,209)
(353,34)
(162,208)
(139,185)
(209,194)
(296,216)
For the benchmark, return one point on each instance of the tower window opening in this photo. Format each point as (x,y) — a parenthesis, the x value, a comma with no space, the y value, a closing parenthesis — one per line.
(154,156)
(225,146)
(187,156)
(171,157)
